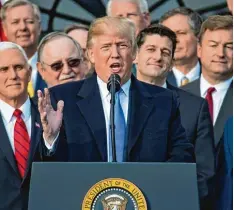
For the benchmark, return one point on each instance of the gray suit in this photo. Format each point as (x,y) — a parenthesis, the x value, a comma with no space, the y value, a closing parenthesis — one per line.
(225,112)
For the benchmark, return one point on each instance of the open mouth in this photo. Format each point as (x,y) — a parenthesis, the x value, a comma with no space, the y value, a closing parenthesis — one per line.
(115,67)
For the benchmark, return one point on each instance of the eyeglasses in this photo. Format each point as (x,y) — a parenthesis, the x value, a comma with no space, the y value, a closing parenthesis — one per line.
(58,66)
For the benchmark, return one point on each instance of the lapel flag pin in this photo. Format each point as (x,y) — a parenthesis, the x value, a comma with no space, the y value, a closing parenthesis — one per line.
(37,125)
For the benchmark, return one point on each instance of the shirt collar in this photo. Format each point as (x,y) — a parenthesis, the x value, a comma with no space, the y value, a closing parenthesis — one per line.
(33,59)
(219,87)
(164,85)
(7,111)
(193,73)
(104,91)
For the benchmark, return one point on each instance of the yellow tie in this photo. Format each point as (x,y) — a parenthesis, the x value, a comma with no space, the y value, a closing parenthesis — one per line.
(184,81)
(30,89)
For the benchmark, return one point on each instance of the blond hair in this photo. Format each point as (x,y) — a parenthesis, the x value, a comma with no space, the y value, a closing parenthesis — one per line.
(121,26)
(16,3)
(216,22)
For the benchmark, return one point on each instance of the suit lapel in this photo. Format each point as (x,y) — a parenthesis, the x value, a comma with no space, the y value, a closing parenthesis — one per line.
(40,83)
(141,107)
(193,87)
(6,148)
(90,105)
(36,133)
(224,113)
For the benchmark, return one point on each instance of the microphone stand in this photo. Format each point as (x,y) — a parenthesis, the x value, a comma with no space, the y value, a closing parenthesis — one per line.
(112,121)
(113,86)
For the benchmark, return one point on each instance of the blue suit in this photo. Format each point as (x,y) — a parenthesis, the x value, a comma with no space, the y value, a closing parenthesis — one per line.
(40,83)
(154,129)
(195,118)
(224,189)
(14,190)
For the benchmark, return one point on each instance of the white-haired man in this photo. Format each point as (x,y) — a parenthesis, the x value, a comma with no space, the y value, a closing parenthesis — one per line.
(60,59)
(20,128)
(22,25)
(135,10)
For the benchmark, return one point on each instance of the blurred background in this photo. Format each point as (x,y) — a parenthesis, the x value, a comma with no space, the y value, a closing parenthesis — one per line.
(57,14)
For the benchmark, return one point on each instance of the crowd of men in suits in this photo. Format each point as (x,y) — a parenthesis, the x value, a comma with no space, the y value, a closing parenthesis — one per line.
(174,102)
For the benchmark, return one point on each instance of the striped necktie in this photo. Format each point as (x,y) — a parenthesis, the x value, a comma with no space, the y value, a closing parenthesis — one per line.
(120,128)
(209,99)
(21,143)
(184,81)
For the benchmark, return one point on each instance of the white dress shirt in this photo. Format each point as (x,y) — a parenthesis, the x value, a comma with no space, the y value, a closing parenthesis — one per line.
(218,95)
(9,119)
(105,98)
(33,63)
(192,75)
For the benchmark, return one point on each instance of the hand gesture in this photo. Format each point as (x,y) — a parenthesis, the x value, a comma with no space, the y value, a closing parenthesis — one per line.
(51,120)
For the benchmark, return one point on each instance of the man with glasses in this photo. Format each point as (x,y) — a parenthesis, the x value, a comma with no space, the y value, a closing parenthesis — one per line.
(59,58)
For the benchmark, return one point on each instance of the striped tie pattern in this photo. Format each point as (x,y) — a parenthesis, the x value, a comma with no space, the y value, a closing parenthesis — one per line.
(21,143)
(209,99)
(120,128)
(184,81)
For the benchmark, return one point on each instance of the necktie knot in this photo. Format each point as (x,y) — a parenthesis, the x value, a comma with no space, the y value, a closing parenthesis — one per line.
(184,81)
(17,113)
(211,90)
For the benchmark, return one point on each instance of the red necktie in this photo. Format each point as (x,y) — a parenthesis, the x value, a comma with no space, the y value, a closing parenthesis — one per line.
(21,141)
(209,99)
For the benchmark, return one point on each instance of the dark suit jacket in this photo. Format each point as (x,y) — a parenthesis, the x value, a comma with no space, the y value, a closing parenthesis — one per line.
(224,181)
(40,83)
(196,120)
(14,190)
(172,79)
(225,112)
(155,133)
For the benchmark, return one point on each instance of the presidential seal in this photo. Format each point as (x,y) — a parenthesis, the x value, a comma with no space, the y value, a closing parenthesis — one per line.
(114,194)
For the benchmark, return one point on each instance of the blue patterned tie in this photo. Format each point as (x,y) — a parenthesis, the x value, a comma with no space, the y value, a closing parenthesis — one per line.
(120,127)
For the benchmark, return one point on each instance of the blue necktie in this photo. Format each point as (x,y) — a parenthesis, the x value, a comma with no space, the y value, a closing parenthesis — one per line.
(120,127)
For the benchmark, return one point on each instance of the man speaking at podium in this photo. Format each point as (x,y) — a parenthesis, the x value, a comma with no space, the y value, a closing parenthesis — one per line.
(147,120)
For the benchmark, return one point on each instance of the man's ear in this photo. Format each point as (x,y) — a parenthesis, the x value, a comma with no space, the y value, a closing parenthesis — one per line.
(90,55)
(171,65)
(40,70)
(147,19)
(136,57)
(29,73)
(199,50)
(4,27)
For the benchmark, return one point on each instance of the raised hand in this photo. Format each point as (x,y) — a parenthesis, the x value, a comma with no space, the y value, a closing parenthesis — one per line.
(51,120)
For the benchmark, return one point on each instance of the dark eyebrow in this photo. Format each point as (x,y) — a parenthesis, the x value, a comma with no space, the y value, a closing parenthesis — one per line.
(55,62)
(150,45)
(213,41)
(3,67)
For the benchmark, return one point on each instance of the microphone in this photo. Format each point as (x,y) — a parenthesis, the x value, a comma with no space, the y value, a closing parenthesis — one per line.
(113,85)
(114,82)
